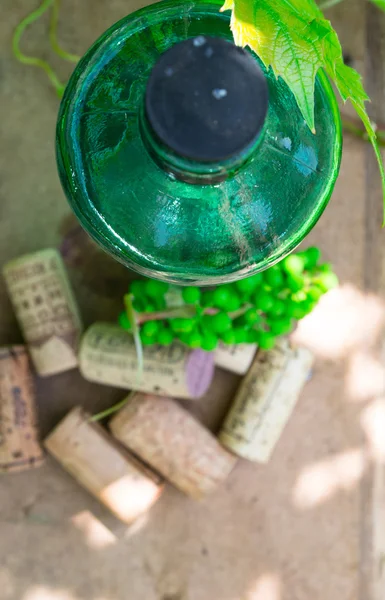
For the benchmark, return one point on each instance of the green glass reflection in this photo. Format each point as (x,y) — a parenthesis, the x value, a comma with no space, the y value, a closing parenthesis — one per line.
(130,203)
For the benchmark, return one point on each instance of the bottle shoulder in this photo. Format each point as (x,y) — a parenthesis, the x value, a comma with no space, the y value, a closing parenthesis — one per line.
(143,214)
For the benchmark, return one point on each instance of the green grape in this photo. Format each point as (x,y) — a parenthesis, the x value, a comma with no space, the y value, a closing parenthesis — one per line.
(326,281)
(299,311)
(248,285)
(138,305)
(149,308)
(159,303)
(150,328)
(191,294)
(252,336)
(124,321)
(228,337)
(252,316)
(264,301)
(145,339)
(314,293)
(138,288)
(165,337)
(182,336)
(207,322)
(240,322)
(155,288)
(194,339)
(182,325)
(311,255)
(308,305)
(291,308)
(281,326)
(217,323)
(265,340)
(295,282)
(199,311)
(293,264)
(325,268)
(234,302)
(221,322)
(240,334)
(274,277)
(209,341)
(208,298)
(278,308)
(299,296)
(222,296)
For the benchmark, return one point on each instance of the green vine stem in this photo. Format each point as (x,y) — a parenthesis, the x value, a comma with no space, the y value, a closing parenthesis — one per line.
(135,332)
(33,60)
(183,312)
(113,409)
(328,4)
(53,35)
(355,129)
(38,62)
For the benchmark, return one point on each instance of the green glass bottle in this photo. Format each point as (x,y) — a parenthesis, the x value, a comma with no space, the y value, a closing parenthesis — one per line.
(183,157)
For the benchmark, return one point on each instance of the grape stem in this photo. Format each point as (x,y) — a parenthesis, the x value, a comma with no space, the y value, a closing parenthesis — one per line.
(183,312)
(109,411)
(186,312)
(355,129)
(33,60)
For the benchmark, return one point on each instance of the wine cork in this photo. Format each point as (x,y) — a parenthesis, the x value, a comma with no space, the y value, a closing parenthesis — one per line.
(168,438)
(46,310)
(117,479)
(265,400)
(236,358)
(108,356)
(19,446)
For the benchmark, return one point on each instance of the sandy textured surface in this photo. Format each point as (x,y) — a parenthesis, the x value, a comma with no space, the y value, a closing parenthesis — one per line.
(296,529)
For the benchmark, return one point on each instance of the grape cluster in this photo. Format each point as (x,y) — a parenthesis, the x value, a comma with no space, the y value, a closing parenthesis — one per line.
(253,310)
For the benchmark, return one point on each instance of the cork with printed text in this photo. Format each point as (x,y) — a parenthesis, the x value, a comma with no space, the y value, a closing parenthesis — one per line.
(265,401)
(45,309)
(108,355)
(19,439)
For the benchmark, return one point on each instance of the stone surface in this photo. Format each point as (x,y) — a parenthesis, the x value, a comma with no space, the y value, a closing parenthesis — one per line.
(295,529)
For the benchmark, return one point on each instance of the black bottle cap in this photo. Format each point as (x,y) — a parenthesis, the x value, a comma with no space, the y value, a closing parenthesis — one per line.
(206,99)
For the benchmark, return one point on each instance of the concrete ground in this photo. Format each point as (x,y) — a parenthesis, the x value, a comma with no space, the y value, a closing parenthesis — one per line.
(307,525)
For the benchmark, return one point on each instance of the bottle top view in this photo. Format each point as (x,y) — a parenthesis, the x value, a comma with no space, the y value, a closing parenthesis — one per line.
(184,157)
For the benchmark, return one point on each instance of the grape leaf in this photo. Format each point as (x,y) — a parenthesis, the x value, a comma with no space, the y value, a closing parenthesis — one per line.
(379,3)
(349,85)
(295,40)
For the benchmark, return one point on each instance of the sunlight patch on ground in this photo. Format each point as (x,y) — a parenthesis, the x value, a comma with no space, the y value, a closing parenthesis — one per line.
(318,482)
(268,587)
(137,525)
(345,319)
(96,534)
(6,582)
(129,497)
(365,377)
(40,592)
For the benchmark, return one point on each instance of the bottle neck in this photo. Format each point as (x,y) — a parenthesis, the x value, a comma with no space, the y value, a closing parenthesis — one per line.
(190,171)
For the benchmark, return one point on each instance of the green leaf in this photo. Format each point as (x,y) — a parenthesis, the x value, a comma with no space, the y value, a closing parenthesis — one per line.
(349,85)
(295,40)
(279,32)
(379,3)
